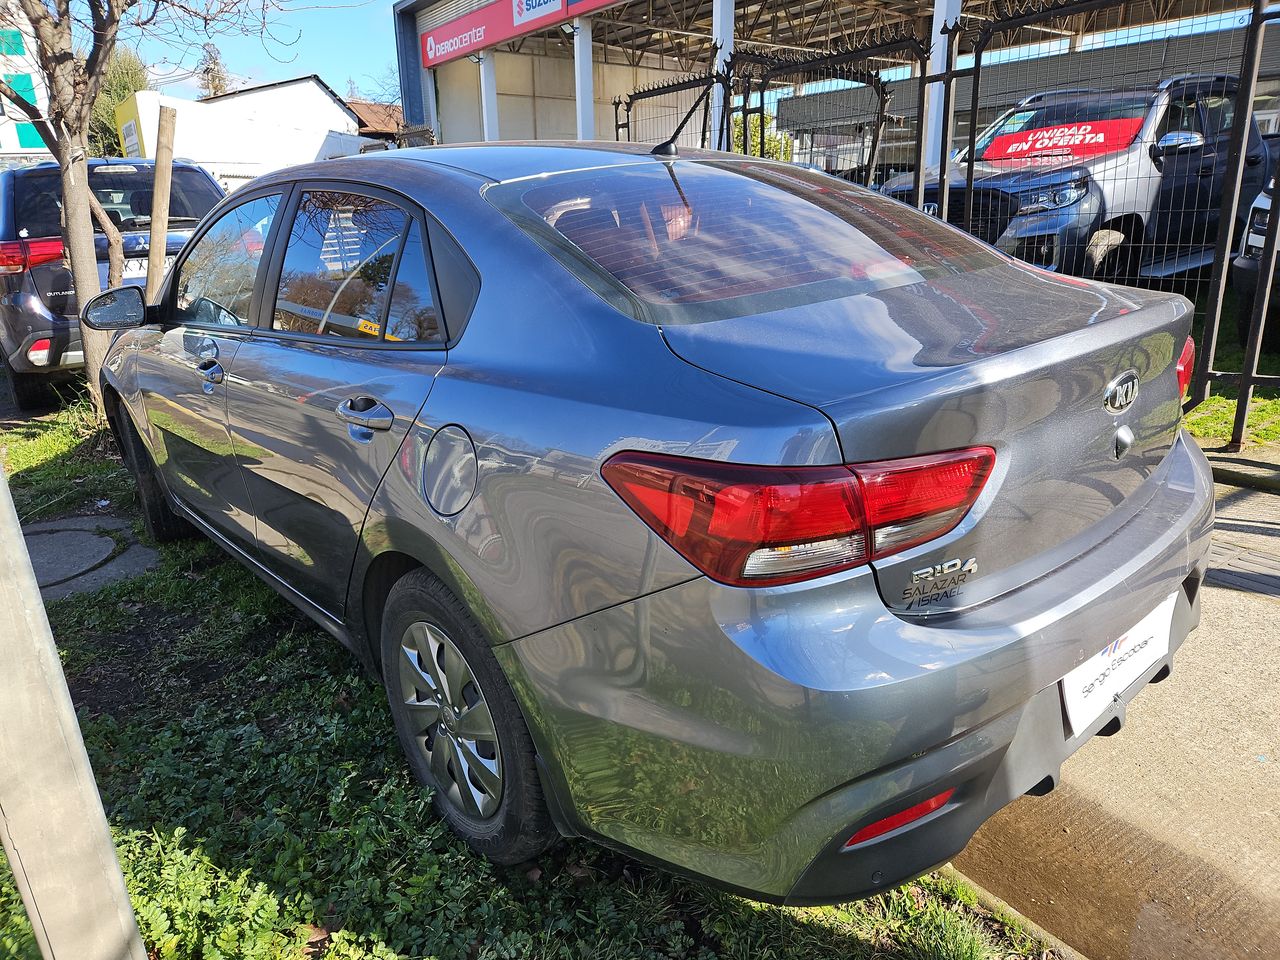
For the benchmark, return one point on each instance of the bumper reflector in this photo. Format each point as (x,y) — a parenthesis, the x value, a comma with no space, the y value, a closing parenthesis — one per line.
(38,352)
(900,819)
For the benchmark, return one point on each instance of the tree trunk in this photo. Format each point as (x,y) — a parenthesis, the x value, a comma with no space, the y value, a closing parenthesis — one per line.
(77,230)
(115,243)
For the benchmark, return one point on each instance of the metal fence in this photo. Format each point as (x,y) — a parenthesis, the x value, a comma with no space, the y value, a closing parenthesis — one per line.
(679,109)
(1072,137)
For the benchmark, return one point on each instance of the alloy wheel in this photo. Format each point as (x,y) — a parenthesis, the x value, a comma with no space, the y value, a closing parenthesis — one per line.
(450,720)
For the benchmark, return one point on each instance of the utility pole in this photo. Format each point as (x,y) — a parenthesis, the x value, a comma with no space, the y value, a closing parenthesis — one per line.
(52,824)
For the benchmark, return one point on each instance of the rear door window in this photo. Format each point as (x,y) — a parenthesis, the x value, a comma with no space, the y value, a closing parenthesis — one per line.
(336,276)
(125,191)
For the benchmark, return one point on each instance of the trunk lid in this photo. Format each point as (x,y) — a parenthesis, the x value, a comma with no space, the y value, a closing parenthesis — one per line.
(1007,356)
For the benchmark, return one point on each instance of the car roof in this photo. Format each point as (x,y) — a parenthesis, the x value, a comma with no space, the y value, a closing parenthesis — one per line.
(501,161)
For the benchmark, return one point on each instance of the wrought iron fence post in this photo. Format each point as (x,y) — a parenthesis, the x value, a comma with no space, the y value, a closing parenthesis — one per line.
(922,123)
(953,33)
(1258,322)
(1226,215)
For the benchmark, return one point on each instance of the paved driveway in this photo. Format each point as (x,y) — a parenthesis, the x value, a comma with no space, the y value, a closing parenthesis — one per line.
(1163,842)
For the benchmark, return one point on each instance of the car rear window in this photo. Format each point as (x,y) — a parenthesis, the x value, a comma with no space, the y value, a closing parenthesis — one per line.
(124,191)
(697,240)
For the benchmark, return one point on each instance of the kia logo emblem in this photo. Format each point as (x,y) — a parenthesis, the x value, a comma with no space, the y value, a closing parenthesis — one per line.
(1121,392)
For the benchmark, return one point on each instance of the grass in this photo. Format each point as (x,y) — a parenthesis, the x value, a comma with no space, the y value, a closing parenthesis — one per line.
(261,807)
(1211,422)
(61,463)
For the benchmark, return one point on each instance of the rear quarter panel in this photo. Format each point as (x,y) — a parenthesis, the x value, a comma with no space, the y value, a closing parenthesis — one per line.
(549,382)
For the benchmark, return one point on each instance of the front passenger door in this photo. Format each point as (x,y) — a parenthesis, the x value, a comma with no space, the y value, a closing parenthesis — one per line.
(324,395)
(183,367)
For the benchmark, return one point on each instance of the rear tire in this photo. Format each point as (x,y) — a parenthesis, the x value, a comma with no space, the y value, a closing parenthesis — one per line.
(459,724)
(162,523)
(31,391)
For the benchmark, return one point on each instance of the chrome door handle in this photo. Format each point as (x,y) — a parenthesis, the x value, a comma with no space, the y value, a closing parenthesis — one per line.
(211,370)
(367,412)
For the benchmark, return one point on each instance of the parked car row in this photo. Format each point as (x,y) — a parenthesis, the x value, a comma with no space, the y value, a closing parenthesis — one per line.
(723,512)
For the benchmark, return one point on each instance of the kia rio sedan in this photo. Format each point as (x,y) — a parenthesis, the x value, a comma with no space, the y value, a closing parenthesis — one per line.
(718,510)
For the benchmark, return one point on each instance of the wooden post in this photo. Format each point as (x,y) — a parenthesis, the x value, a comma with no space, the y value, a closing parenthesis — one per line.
(52,824)
(160,202)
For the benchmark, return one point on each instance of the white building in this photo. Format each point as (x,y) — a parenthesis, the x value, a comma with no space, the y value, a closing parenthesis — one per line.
(243,134)
(19,141)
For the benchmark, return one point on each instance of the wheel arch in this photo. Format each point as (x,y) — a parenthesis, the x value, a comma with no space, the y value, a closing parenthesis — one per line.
(390,548)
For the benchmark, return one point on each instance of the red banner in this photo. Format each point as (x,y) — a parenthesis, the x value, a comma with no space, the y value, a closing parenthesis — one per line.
(497,22)
(1084,139)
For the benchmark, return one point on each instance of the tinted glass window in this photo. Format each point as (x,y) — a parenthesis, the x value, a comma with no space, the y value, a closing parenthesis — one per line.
(1218,112)
(1182,115)
(124,191)
(413,314)
(750,236)
(337,266)
(215,282)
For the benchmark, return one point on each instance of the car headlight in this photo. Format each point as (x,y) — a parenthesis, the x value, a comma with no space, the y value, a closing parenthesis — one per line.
(1259,220)
(1051,198)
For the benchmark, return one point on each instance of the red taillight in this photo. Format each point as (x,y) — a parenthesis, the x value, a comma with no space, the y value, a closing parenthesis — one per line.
(38,352)
(17,256)
(900,819)
(762,526)
(1186,367)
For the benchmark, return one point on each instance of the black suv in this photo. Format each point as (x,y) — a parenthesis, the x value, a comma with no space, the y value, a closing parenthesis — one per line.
(39,332)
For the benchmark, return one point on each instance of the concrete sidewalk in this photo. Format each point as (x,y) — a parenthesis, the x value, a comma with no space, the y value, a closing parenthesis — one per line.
(1163,842)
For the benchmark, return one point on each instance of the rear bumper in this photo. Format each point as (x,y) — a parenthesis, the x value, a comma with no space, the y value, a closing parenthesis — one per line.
(743,735)
(66,355)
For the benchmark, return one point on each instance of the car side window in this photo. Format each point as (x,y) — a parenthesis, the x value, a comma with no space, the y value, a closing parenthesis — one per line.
(336,275)
(1218,114)
(1182,115)
(413,314)
(214,284)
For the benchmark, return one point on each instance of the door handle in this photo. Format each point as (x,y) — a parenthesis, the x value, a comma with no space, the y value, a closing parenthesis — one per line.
(1253,159)
(211,370)
(367,412)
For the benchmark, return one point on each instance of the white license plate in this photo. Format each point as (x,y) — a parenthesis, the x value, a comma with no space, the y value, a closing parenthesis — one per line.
(1089,688)
(137,267)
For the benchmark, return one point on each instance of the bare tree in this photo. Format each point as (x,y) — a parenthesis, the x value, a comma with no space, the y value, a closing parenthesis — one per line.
(60,28)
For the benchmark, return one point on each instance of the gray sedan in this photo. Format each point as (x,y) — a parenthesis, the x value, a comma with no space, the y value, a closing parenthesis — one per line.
(715,509)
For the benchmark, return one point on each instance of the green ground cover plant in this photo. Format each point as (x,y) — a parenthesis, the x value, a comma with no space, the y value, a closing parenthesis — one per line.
(262,809)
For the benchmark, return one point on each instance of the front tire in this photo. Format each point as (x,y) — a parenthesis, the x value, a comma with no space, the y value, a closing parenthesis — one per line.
(162,523)
(459,724)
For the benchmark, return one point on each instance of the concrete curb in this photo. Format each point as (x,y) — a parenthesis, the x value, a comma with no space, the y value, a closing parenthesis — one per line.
(989,901)
(1238,478)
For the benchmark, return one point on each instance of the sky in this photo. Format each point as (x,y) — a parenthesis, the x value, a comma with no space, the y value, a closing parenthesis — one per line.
(344,41)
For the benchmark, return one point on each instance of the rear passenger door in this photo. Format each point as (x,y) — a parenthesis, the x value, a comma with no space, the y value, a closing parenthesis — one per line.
(348,345)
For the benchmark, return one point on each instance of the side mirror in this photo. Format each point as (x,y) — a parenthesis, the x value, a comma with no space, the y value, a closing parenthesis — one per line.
(1177,141)
(120,309)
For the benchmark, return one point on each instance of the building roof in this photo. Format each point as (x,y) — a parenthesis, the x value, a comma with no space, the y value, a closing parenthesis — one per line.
(309,78)
(377,118)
